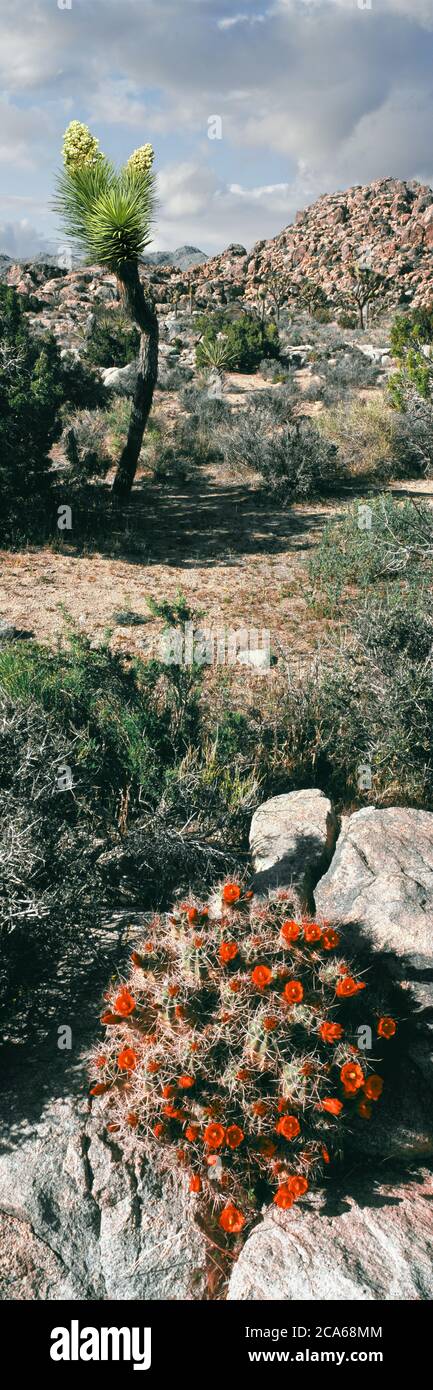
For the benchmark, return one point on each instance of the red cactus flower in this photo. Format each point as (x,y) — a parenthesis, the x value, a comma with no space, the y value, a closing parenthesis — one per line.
(192,914)
(330,939)
(298,1185)
(168,1091)
(288,1126)
(386,1027)
(158,1130)
(100,1061)
(227,952)
(352,1077)
(243,1074)
(100,1088)
(325,1155)
(153,1067)
(331,1105)
(284,1197)
(312,932)
(231,1220)
(185,1082)
(124,1003)
(110,1018)
(290,931)
(331,1032)
(231,893)
(192,1132)
(270,1023)
(195,1183)
(127,1059)
(132,1119)
(261,976)
(234,1136)
(293,992)
(347,986)
(365,1110)
(235,986)
(373,1087)
(260,1108)
(214,1136)
(173,990)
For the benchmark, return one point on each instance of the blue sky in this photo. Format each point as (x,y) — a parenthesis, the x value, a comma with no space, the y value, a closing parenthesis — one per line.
(313,95)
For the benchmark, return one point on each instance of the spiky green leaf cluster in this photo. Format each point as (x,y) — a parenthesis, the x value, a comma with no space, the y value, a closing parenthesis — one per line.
(108,213)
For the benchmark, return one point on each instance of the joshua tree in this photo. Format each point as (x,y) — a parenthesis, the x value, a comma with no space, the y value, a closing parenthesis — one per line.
(109,214)
(365,286)
(278,288)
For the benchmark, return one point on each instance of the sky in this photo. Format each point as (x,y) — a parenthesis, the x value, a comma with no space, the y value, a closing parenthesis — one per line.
(253,109)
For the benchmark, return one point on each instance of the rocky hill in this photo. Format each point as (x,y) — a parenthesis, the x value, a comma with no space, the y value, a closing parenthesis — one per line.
(387,224)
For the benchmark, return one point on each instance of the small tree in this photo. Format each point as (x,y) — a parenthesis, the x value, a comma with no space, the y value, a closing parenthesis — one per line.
(364,288)
(277,286)
(109,213)
(311,297)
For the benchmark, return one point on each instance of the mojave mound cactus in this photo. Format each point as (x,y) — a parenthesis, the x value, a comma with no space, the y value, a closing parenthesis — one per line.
(232,1048)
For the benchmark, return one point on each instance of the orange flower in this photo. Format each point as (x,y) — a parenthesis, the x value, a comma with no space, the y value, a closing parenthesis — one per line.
(325,1155)
(290,931)
(365,1110)
(260,1108)
(235,986)
(135,958)
(288,1126)
(100,1088)
(198,941)
(231,893)
(331,1032)
(180,1011)
(352,1076)
(234,1136)
(270,1023)
(152,1067)
(331,1105)
(192,1133)
(192,914)
(293,992)
(386,1027)
(158,1130)
(298,1185)
(167,1092)
(109,1018)
(173,1113)
(132,1119)
(227,951)
(127,1059)
(243,1074)
(330,939)
(312,932)
(231,1219)
(373,1087)
(100,1061)
(173,990)
(284,1198)
(185,1082)
(261,976)
(124,1003)
(348,986)
(214,1136)
(195,1183)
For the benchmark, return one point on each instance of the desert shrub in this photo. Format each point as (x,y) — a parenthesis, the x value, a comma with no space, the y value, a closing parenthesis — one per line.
(368,437)
(378,539)
(352,371)
(175,378)
(246,340)
(292,459)
(410,330)
(113,340)
(413,430)
(229,1051)
(207,409)
(85,447)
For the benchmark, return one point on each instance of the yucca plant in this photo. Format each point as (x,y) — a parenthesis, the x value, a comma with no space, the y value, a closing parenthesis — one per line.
(109,214)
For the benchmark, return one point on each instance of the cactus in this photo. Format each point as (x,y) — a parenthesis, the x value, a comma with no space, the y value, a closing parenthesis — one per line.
(231,1050)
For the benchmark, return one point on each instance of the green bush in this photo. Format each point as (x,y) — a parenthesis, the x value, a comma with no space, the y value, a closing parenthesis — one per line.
(410,330)
(289,457)
(113,340)
(246,339)
(397,545)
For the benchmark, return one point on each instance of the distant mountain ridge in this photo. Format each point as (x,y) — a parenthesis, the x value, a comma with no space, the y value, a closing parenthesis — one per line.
(181,259)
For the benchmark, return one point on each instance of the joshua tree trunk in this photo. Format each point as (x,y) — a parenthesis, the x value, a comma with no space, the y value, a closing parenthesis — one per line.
(141,309)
